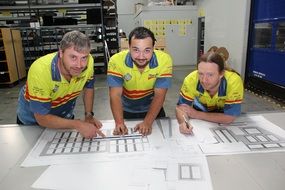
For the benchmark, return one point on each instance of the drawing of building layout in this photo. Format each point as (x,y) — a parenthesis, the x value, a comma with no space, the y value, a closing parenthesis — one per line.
(255,138)
(71,142)
(68,146)
(57,146)
(187,171)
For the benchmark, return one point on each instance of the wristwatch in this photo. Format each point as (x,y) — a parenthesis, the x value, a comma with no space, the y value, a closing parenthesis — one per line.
(87,114)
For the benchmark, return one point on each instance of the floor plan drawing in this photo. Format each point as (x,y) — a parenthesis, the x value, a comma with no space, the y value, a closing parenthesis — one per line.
(184,171)
(165,159)
(188,171)
(71,142)
(255,138)
(254,134)
(68,146)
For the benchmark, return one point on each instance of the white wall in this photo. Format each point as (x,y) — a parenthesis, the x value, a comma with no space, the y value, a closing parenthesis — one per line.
(226,24)
(181,47)
(125,10)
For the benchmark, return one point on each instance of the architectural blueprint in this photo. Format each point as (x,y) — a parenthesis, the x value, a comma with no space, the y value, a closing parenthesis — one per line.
(255,138)
(246,135)
(166,159)
(253,134)
(71,142)
(68,146)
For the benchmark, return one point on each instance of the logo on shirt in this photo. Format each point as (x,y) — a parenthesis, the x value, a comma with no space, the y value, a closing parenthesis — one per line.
(55,88)
(127,77)
(152,76)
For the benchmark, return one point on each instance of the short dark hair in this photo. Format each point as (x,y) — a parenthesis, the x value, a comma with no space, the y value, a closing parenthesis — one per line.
(141,33)
(213,58)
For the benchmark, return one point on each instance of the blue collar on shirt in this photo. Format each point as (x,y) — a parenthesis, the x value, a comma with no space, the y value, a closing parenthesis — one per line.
(55,74)
(152,63)
(222,87)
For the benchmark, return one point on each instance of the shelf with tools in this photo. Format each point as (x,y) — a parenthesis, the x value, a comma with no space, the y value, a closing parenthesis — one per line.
(110,19)
(43,40)
(43,25)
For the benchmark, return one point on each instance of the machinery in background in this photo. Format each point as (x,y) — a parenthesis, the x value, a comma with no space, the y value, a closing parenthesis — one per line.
(266,49)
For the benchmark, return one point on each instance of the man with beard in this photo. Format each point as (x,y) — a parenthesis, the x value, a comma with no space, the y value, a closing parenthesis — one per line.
(53,84)
(138,79)
(211,93)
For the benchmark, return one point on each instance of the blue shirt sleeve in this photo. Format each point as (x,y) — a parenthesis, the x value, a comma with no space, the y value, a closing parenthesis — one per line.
(163,83)
(114,81)
(90,83)
(182,100)
(232,109)
(40,107)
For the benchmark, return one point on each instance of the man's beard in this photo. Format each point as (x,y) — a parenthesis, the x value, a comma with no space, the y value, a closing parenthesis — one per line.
(140,66)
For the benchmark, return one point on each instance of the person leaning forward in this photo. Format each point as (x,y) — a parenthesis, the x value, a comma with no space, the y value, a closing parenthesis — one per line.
(212,93)
(138,80)
(53,84)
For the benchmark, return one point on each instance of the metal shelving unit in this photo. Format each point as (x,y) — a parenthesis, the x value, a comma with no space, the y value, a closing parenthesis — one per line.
(110,19)
(52,21)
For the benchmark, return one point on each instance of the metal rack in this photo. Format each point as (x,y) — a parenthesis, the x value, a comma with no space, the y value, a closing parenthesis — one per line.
(110,19)
(42,27)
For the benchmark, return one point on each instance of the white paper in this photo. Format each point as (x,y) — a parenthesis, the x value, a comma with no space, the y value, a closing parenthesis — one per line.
(148,173)
(201,133)
(52,149)
(253,134)
(183,172)
(101,175)
(224,148)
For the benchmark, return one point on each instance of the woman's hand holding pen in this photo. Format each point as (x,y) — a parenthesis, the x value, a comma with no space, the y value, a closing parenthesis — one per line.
(185,127)
(183,119)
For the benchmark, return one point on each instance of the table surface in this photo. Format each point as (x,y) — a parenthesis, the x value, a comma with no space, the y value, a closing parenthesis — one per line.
(256,171)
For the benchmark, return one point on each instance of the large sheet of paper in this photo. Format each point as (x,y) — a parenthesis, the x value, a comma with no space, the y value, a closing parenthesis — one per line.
(179,168)
(166,159)
(246,135)
(96,175)
(68,146)
(149,173)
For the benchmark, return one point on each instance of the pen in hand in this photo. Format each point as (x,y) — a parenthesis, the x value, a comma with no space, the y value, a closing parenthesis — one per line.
(186,122)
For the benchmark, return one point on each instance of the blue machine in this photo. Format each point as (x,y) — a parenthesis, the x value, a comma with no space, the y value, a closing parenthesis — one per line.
(266,49)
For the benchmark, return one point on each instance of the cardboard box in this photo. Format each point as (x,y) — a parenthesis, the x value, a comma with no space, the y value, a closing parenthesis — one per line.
(124,44)
(160,42)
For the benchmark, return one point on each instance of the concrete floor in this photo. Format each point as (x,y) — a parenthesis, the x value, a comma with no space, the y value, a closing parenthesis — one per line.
(252,102)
